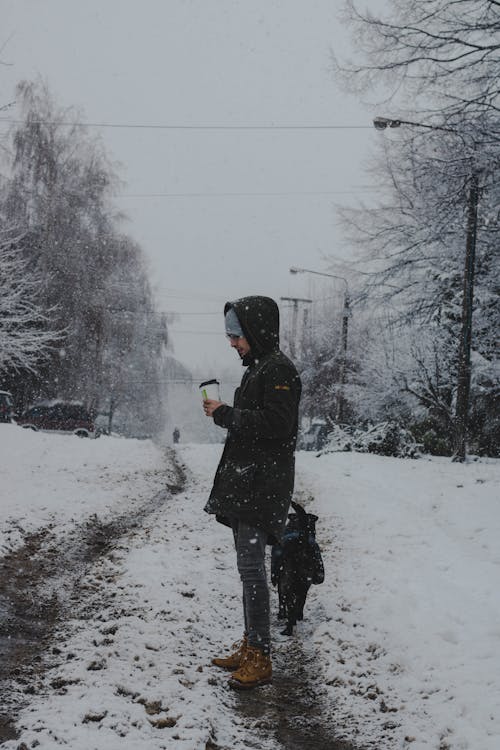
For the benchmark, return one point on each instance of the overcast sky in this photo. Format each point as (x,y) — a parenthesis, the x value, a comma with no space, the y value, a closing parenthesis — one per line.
(219,213)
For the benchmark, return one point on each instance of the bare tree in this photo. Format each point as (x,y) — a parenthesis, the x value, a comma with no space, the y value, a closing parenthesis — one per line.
(441,56)
(25,337)
(412,247)
(434,234)
(94,284)
(411,242)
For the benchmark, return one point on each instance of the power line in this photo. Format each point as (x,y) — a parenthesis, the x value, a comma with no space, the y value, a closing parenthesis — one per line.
(198,333)
(179,312)
(170,292)
(184,126)
(192,383)
(181,381)
(249,194)
(187,294)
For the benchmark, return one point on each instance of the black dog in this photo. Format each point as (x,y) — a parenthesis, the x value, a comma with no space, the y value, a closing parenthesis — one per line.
(295,565)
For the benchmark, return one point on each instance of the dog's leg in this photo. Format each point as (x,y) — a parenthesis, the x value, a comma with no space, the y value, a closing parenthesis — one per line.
(288,601)
(291,613)
(301,603)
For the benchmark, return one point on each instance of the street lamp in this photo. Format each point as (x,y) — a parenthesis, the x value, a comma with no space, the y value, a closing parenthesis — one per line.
(464,362)
(381,123)
(295,304)
(345,326)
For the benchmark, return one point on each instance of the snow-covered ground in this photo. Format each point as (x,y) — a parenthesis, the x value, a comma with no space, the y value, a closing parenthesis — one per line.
(412,604)
(404,634)
(50,478)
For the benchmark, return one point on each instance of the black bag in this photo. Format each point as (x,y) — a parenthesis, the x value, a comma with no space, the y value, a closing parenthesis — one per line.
(316,569)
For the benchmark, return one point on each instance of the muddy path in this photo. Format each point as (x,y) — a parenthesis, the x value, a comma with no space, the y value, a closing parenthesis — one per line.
(292,709)
(40,580)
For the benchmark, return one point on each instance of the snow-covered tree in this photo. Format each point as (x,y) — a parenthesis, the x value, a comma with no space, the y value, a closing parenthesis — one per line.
(434,56)
(93,278)
(25,339)
(435,64)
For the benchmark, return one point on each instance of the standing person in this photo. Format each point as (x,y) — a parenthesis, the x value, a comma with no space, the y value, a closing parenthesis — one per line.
(253,483)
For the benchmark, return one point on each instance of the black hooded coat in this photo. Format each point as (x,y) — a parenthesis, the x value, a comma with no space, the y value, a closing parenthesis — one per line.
(254,480)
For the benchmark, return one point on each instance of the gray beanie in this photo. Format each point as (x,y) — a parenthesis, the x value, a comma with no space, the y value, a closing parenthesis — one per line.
(233,326)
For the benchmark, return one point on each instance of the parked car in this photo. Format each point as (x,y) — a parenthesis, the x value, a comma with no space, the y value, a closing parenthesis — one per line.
(6,406)
(59,417)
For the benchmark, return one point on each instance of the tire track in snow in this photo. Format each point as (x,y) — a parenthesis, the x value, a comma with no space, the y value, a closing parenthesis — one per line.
(40,577)
(167,693)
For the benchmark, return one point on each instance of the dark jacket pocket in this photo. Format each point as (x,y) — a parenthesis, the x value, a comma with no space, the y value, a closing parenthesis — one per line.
(235,480)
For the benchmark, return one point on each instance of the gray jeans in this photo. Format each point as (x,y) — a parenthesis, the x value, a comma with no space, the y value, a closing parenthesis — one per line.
(250,546)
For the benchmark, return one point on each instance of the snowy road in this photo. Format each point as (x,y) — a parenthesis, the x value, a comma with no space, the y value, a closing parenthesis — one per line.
(116,652)
(125,589)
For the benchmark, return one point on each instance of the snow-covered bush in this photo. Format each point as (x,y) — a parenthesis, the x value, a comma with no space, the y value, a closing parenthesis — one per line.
(340,439)
(384,438)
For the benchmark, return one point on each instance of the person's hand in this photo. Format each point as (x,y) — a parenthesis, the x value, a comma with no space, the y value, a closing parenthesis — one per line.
(209,406)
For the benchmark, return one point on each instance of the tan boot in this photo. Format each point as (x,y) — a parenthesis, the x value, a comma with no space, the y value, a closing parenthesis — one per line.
(256,669)
(233,661)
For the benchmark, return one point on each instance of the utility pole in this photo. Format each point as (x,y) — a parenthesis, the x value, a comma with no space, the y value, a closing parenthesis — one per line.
(464,365)
(305,323)
(461,421)
(346,313)
(295,301)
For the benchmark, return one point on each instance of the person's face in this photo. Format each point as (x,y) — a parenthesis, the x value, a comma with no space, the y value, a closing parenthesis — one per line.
(240,344)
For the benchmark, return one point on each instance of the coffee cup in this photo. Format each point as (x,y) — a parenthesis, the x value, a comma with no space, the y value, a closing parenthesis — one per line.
(210,390)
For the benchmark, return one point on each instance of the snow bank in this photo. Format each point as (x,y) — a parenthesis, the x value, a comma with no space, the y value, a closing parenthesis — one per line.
(405,630)
(411,637)
(48,478)
(131,670)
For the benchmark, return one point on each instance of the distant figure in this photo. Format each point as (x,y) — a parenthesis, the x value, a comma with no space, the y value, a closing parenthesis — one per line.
(176,434)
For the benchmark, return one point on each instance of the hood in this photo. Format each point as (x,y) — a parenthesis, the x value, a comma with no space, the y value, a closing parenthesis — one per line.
(260,319)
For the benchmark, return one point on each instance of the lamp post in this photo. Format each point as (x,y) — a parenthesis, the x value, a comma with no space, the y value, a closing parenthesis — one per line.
(346,312)
(295,303)
(464,362)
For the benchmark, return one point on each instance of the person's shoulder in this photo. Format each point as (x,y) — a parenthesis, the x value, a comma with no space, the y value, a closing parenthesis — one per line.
(283,361)
(278,362)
